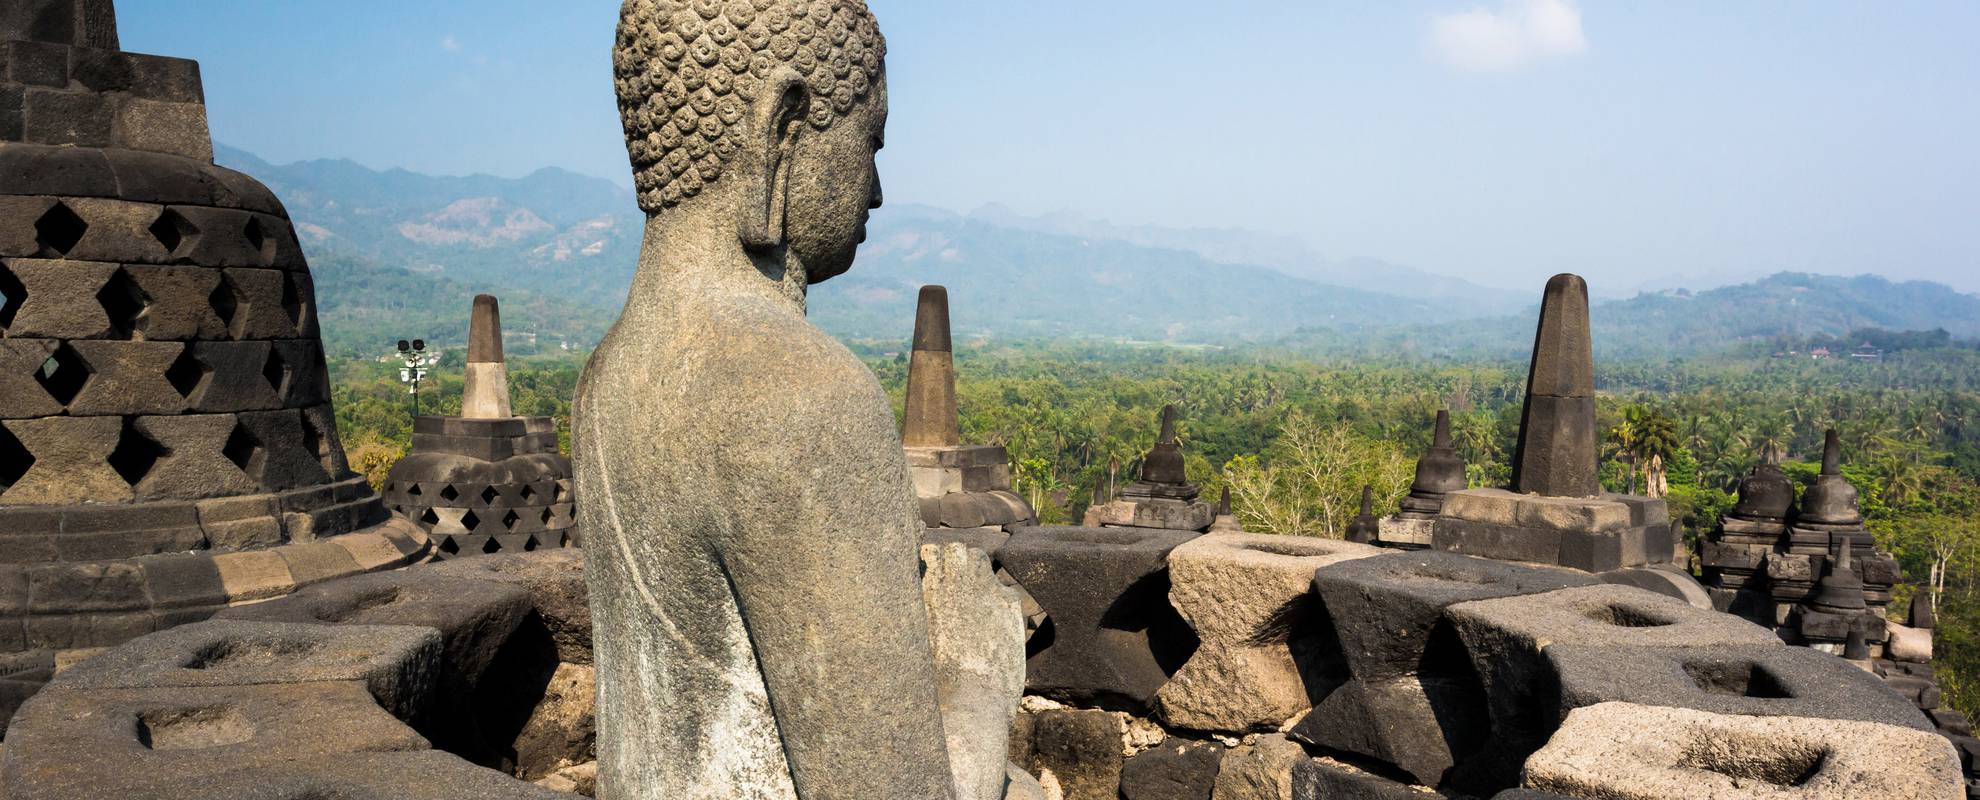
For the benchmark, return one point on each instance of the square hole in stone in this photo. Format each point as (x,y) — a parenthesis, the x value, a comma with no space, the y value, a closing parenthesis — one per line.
(175,233)
(510,519)
(488,495)
(470,521)
(187,373)
(1735,679)
(292,302)
(12,294)
(63,375)
(15,460)
(192,728)
(1623,616)
(258,239)
(449,493)
(135,454)
(226,302)
(276,371)
(245,450)
(58,230)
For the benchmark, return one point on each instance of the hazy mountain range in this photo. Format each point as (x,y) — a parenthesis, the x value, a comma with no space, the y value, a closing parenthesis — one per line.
(397,254)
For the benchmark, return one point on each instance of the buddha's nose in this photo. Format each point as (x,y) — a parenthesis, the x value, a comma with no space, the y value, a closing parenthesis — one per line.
(878,196)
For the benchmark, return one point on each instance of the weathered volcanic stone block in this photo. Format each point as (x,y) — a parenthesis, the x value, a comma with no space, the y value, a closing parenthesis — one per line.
(1634,752)
(1105,592)
(976,629)
(1261,770)
(193,465)
(127,378)
(167,742)
(1248,597)
(1176,769)
(474,617)
(398,664)
(421,775)
(61,298)
(1506,637)
(1757,680)
(1592,534)
(1421,726)
(20,361)
(554,582)
(1327,779)
(285,460)
(1386,609)
(236,382)
(1079,750)
(180,308)
(71,462)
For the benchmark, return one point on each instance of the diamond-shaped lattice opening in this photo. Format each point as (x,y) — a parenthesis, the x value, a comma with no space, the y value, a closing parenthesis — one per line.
(175,233)
(58,230)
(14,459)
(470,521)
(257,238)
(412,490)
(226,301)
(557,493)
(135,455)
(488,495)
(313,439)
(187,373)
(275,371)
(527,493)
(244,449)
(125,303)
(510,519)
(448,545)
(431,517)
(449,493)
(12,295)
(292,303)
(491,546)
(546,515)
(530,545)
(63,375)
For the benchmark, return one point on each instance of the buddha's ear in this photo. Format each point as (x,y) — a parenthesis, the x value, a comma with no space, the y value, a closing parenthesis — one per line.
(763,165)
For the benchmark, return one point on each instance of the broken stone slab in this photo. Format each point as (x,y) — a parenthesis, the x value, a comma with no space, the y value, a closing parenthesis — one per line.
(1506,637)
(1421,726)
(1248,597)
(1260,770)
(474,617)
(554,582)
(1330,779)
(168,742)
(1176,769)
(1105,595)
(1635,752)
(976,628)
(1078,752)
(399,664)
(1756,680)
(1387,610)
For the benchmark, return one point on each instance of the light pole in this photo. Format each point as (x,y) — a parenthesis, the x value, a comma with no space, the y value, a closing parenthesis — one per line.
(415,358)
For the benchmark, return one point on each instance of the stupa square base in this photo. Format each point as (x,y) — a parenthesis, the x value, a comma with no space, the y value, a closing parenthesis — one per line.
(1596,534)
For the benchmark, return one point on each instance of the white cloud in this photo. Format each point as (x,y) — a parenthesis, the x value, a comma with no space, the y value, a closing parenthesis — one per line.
(450,44)
(1519,33)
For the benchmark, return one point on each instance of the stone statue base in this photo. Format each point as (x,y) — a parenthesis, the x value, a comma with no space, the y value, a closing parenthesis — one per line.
(1595,534)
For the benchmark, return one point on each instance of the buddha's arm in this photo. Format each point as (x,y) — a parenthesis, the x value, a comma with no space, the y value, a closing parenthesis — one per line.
(827,579)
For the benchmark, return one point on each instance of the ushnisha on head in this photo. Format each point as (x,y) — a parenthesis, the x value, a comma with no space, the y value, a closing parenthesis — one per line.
(768,109)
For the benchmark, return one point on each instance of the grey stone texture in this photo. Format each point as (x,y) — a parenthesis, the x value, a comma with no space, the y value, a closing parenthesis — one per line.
(1556,454)
(1104,591)
(399,665)
(1388,610)
(1329,779)
(1592,534)
(1259,770)
(930,418)
(170,741)
(751,527)
(1755,680)
(1078,751)
(976,627)
(1636,752)
(1176,769)
(1248,598)
(1420,726)
(554,583)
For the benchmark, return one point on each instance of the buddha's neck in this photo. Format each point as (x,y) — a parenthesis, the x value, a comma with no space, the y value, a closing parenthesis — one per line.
(691,256)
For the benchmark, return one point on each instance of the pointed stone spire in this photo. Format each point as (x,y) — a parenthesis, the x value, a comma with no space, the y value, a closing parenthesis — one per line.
(1840,591)
(485,394)
(1224,503)
(1921,616)
(1164,463)
(1438,473)
(1365,528)
(1831,500)
(1557,447)
(931,415)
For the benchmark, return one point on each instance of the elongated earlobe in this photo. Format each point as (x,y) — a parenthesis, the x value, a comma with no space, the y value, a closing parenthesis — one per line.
(764,164)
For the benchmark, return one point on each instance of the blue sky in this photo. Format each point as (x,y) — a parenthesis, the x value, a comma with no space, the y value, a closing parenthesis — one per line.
(1502,140)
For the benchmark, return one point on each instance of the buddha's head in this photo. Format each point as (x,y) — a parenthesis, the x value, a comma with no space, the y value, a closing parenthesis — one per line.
(763,113)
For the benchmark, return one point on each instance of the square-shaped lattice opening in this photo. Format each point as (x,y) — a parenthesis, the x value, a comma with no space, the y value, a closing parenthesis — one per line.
(187,373)
(449,493)
(58,231)
(470,521)
(510,519)
(276,371)
(292,302)
(226,302)
(258,239)
(245,450)
(15,460)
(175,233)
(125,303)
(135,455)
(12,295)
(63,375)
(488,495)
